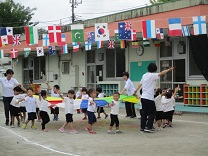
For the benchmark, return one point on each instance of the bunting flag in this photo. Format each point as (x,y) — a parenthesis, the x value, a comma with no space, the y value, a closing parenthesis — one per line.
(101,32)
(124,30)
(1,44)
(75,46)
(40,51)
(146,42)
(16,39)
(4,40)
(13,53)
(15,63)
(135,44)
(77,31)
(148,29)
(199,24)
(167,41)
(99,44)
(116,37)
(175,28)
(156,42)
(52,50)
(185,31)
(1,53)
(45,39)
(54,33)
(31,34)
(63,40)
(27,52)
(91,37)
(133,35)
(7,35)
(123,44)
(64,49)
(87,46)
(111,44)
(159,33)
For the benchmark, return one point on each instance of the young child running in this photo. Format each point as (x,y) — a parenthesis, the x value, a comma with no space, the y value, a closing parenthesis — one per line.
(84,96)
(44,105)
(22,107)
(69,107)
(159,107)
(114,114)
(15,107)
(100,109)
(31,103)
(91,111)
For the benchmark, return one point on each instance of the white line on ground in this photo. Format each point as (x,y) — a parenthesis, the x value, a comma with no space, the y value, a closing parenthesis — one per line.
(195,122)
(37,144)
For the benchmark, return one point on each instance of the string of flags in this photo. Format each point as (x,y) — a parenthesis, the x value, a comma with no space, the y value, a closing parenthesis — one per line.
(123,34)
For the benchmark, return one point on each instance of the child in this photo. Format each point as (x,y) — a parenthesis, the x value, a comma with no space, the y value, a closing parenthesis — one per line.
(69,107)
(114,114)
(54,93)
(168,106)
(31,103)
(100,109)
(79,96)
(44,108)
(15,108)
(22,107)
(159,107)
(90,111)
(84,96)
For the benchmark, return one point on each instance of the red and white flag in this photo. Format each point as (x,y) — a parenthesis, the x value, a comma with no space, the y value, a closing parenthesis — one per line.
(133,35)
(54,34)
(16,39)
(13,53)
(111,44)
(175,28)
(63,40)
(159,33)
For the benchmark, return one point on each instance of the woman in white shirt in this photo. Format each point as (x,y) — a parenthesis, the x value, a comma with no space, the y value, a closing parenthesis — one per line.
(129,88)
(8,84)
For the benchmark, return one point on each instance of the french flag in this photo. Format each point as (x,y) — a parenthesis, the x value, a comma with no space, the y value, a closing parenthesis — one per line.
(148,29)
(175,28)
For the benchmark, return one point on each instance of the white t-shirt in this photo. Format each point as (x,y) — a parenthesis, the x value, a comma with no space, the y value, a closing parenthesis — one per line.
(101,95)
(31,103)
(8,86)
(129,87)
(115,107)
(148,85)
(85,96)
(78,94)
(22,103)
(69,105)
(43,105)
(14,100)
(168,104)
(158,103)
(91,107)
(54,94)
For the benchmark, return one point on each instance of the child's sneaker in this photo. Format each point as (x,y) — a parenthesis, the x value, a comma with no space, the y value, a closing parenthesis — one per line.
(110,132)
(87,129)
(73,131)
(141,130)
(12,126)
(18,124)
(84,118)
(118,132)
(33,127)
(45,130)
(106,116)
(24,126)
(38,120)
(61,130)
(92,132)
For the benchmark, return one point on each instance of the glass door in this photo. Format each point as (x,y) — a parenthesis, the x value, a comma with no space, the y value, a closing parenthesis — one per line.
(91,76)
(166,80)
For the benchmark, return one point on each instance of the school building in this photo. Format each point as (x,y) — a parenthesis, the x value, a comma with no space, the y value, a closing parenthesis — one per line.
(104,66)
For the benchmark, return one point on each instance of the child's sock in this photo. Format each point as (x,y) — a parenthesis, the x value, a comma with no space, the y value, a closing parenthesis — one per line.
(109,130)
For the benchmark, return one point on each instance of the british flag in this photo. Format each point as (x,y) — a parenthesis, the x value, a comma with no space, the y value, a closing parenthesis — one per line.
(16,39)
(111,44)
(127,26)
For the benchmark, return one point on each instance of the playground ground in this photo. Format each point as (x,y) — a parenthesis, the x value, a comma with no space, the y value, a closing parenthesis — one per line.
(188,137)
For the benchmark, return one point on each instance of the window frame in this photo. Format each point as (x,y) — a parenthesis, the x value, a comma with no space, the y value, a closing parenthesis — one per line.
(63,68)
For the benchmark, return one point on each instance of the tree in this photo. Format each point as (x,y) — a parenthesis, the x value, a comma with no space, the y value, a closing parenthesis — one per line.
(158,1)
(15,15)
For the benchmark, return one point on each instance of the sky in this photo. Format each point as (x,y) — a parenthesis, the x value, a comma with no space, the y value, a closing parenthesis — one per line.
(50,12)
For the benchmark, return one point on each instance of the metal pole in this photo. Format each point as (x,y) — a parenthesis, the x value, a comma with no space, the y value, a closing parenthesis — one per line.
(73,16)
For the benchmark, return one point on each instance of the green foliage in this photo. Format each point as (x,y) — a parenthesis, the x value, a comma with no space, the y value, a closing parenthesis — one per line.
(158,1)
(15,15)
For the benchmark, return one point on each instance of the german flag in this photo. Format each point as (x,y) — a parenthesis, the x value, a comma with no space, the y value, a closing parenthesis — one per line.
(123,44)
(135,44)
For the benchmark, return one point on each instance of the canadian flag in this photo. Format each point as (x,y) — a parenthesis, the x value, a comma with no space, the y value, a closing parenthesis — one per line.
(13,53)
(54,34)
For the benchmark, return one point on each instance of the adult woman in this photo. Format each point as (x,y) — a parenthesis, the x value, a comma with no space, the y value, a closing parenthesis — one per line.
(8,84)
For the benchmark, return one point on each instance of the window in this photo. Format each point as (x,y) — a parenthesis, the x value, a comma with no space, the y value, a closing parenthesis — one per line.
(115,62)
(165,51)
(39,68)
(91,56)
(65,67)
(193,69)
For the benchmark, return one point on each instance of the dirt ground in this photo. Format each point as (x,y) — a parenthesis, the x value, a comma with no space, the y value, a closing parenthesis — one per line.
(188,137)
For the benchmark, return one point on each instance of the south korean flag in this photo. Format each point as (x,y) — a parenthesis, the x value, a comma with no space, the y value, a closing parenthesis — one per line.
(101,32)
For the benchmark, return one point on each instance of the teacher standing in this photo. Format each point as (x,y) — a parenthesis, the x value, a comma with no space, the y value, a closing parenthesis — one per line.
(8,84)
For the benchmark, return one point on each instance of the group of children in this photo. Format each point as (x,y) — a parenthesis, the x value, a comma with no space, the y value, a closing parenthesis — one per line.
(22,103)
